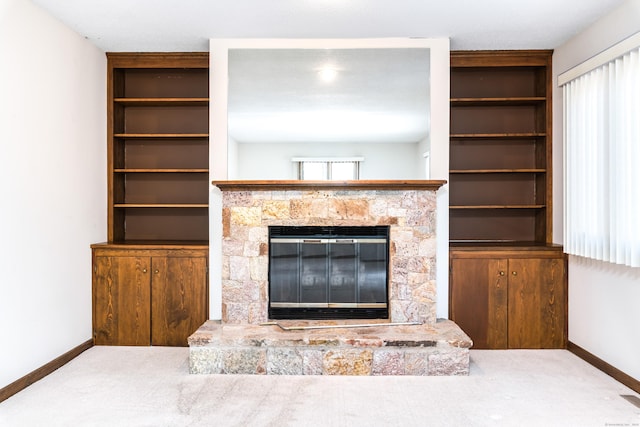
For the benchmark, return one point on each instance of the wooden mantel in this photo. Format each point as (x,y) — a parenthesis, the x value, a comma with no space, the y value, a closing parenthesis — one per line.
(269,185)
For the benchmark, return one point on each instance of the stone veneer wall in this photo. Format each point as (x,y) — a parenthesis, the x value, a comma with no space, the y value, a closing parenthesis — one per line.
(410,214)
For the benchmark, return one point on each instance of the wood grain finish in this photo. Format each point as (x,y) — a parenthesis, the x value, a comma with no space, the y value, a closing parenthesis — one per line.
(536,303)
(514,298)
(511,291)
(479,300)
(148,295)
(501,58)
(121,300)
(157,121)
(500,146)
(159,59)
(179,301)
(268,185)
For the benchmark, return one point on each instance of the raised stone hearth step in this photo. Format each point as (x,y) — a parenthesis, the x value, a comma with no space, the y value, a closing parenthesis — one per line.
(440,349)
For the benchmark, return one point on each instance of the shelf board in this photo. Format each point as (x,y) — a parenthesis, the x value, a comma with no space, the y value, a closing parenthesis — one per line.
(485,171)
(491,244)
(160,205)
(486,207)
(151,170)
(153,244)
(160,135)
(159,102)
(507,101)
(521,135)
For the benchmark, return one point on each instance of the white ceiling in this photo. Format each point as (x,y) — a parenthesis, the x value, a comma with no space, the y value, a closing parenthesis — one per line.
(186,25)
(345,111)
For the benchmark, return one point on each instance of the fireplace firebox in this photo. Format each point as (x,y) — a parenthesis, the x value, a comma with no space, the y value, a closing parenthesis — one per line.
(328,272)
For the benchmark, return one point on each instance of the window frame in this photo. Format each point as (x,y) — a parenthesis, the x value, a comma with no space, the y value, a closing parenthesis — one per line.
(328,162)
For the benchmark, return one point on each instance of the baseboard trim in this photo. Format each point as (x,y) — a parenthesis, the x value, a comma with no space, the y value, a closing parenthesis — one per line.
(24,382)
(608,369)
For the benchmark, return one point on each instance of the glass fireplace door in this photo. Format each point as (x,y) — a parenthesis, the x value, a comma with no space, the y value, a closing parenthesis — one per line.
(284,272)
(326,276)
(372,274)
(342,273)
(313,273)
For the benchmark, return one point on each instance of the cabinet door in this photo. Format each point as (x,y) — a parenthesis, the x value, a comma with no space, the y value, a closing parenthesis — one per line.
(478,298)
(121,296)
(536,303)
(179,299)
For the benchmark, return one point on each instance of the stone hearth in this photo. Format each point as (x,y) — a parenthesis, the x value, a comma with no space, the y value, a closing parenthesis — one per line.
(239,344)
(440,349)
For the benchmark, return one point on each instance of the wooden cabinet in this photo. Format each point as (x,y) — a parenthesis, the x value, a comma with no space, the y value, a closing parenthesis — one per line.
(500,147)
(144,296)
(510,299)
(507,282)
(150,278)
(158,147)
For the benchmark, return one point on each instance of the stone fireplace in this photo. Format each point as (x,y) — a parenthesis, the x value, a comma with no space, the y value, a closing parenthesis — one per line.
(407,208)
(409,212)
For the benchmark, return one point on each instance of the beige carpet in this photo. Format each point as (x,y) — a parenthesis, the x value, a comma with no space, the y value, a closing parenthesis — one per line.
(150,386)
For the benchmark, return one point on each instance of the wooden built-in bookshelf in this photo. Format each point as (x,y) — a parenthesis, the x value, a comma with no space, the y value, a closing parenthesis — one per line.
(507,280)
(158,145)
(500,147)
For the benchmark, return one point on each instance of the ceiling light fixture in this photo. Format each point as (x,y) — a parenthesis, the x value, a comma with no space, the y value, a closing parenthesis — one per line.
(328,73)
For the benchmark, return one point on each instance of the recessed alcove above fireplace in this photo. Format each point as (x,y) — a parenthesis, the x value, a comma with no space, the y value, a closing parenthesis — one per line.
(236,159)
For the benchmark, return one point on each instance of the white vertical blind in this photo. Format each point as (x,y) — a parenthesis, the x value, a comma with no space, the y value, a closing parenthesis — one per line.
(602,162)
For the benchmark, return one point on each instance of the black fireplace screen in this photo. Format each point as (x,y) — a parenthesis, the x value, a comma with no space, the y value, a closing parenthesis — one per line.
(328,272)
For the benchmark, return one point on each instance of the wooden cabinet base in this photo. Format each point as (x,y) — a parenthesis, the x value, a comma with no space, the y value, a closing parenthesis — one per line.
(148,296)
(509,298)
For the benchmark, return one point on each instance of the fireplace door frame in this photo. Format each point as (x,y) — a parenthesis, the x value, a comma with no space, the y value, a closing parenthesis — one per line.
(328,272)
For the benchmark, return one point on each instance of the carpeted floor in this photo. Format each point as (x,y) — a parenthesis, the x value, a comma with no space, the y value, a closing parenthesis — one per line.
(150,386)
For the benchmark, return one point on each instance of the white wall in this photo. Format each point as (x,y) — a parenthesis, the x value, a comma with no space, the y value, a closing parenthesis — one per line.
(604,318)
(52,185)
(232,157)
(439,164)
(381,161)
(423,154)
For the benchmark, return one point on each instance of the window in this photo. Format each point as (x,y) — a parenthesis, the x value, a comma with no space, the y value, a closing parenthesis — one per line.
(320,169)
(602,161)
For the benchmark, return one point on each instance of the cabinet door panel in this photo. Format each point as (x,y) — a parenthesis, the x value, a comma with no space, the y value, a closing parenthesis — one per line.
(479,300)
(179,299)
(536,303)
(121,301)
